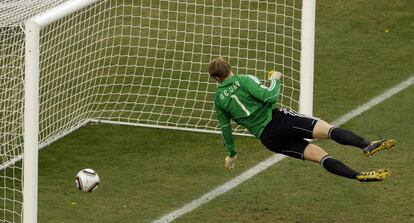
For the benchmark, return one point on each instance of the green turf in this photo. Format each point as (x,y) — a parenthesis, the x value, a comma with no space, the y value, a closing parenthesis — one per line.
(296,191)
(356,58)
(144,172)
(362,49)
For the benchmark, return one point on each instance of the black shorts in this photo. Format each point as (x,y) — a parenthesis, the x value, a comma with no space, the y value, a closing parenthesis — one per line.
(287,131)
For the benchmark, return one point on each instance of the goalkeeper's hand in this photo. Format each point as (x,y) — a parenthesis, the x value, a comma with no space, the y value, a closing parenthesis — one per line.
(229,162)
(274,75)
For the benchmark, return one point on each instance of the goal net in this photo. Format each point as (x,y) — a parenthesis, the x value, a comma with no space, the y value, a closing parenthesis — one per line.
(140,63)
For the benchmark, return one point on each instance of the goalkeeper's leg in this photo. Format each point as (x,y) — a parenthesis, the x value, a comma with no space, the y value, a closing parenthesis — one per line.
(324,130)
(316,154)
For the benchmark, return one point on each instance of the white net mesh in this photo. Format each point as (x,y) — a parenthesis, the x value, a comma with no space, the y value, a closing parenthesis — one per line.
(13,13)
(136,62)
(11,117)
(163,49)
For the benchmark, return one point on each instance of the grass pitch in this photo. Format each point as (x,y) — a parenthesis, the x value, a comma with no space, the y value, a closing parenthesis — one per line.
(362,49)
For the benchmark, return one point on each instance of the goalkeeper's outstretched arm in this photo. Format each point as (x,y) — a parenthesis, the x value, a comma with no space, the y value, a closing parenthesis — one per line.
(226,131)
(227,135)
(265,94)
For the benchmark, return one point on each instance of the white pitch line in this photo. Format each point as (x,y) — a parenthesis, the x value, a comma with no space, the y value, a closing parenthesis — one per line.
(277,157)
(221,189)
(380,98)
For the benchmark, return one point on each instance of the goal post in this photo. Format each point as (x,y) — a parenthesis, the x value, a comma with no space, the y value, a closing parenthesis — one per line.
(32,103)
(67,63)
(31,123)
(307,57)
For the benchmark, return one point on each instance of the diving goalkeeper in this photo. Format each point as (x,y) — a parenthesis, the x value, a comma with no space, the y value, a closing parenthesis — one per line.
(244,99)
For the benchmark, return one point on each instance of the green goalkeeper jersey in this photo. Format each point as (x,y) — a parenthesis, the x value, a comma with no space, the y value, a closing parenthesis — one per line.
(248,102)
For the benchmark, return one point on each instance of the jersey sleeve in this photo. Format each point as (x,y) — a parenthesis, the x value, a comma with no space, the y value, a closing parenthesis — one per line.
(261,92)
(226,132)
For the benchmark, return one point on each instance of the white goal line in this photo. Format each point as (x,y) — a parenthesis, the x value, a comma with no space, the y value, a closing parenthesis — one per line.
(277,157)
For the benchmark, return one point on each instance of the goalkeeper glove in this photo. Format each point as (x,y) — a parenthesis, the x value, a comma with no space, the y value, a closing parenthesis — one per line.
(229,162)
(273,75)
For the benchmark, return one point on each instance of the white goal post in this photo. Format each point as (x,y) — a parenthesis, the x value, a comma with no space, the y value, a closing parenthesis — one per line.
(307,57)
(67,63)
(32,103)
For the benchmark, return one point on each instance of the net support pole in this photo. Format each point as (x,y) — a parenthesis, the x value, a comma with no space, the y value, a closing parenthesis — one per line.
(307,57)
(31,101)
(31,122)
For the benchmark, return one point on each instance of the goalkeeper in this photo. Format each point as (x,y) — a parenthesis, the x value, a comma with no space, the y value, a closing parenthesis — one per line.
(249,103)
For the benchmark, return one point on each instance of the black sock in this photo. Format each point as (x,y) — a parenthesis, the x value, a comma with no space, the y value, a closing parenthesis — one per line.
(346,137)
(337,167)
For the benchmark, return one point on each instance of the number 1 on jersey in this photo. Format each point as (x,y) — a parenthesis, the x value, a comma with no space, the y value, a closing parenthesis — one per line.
(241,104)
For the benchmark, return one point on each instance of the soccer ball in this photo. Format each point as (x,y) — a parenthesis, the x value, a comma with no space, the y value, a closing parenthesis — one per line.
(87,180)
